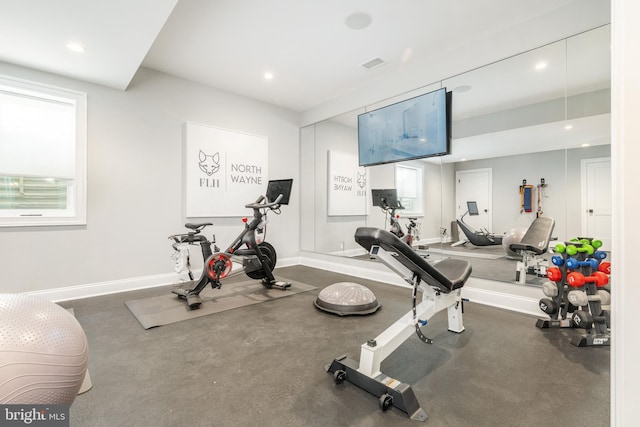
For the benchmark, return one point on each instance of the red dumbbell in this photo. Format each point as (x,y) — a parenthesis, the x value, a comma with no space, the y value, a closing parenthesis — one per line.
(605,267)
(576,279)
(554,274)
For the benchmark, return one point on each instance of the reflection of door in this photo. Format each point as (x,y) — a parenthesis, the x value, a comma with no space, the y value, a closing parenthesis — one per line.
(596,199)
(474,185)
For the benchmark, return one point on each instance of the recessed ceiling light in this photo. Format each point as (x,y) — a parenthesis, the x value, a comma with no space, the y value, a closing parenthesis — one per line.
(568,127)
(358,21)
(585,145)
(75,47)
(541,65)
(268,76)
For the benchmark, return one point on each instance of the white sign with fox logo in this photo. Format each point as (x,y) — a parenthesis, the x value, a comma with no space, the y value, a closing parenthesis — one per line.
(347,185)
(224,170)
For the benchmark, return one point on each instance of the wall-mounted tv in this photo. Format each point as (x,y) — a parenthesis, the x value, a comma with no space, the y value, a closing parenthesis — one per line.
(412,129)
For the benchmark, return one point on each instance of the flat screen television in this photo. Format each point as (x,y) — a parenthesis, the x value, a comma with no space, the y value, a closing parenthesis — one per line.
(416,128)
(276,187)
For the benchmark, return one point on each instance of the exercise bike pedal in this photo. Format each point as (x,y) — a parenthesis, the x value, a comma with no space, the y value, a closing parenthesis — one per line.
(282,285)
(276,284)
(182,293)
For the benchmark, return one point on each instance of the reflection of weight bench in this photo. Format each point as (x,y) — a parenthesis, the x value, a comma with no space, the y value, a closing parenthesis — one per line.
(440,285)
(533,245)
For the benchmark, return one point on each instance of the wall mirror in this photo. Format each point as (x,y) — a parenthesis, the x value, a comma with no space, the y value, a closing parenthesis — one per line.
(540,115)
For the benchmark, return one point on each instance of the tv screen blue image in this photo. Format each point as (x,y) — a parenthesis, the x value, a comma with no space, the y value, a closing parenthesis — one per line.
(415,128)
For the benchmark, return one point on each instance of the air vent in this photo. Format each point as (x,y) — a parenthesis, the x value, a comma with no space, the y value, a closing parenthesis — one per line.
(374,63)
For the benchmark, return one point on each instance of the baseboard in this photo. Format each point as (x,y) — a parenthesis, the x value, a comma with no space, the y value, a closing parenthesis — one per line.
(349,252)
(497,294)
(124,285)
(520,299)
(352,267)
(488,292)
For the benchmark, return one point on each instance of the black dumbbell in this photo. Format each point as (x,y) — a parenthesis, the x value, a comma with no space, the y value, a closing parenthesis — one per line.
(548,306)
(582,319)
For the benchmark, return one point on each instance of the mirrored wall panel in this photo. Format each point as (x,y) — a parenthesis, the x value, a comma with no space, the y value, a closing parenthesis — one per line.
(530,138)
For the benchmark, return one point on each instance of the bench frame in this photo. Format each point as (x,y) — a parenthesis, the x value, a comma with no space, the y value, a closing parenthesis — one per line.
(366,374)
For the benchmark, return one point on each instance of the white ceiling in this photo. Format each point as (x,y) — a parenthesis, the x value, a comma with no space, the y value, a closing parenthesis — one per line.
(314,57)
(116,34)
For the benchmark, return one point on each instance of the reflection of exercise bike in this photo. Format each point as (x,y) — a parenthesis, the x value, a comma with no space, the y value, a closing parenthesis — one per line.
(388,201)
(257,257)
(476,237)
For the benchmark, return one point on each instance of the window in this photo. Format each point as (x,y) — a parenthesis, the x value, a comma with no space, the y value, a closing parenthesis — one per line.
(43,142)
(409,187)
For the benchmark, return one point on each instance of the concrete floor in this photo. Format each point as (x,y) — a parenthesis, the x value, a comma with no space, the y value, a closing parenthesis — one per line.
(264,365)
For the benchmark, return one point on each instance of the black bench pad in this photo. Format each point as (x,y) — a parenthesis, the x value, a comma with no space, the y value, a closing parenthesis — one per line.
(537,237)
(447,275)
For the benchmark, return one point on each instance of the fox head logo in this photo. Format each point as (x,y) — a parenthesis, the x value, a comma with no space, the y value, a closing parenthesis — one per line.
(209,164)
(361,179)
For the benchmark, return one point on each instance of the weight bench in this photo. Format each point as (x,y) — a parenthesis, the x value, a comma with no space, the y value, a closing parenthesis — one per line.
(440,284)
(533,245)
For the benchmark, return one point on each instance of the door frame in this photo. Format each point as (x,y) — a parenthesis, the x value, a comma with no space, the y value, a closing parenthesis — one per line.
(489,172)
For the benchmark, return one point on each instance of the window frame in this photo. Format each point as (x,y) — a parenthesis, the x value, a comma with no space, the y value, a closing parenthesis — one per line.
(419,190)
(76,211)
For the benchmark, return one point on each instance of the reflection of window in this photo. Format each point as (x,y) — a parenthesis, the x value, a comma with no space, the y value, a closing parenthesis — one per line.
(42,154)
(409,187)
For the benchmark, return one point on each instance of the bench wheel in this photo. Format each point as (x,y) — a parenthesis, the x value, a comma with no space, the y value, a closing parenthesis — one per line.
(339,376)
(385,401)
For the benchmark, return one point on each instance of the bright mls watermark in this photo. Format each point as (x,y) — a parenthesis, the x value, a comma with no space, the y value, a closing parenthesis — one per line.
(34,415)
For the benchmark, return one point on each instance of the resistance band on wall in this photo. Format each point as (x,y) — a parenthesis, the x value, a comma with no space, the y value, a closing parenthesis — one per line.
(541,195)
(526,196)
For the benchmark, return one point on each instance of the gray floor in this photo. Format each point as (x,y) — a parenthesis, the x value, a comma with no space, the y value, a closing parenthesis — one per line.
(264,365)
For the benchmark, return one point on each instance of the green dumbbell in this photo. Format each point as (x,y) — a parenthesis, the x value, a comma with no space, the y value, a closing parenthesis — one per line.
(573,249)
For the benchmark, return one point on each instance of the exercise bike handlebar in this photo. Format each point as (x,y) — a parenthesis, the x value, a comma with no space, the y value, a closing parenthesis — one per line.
(259,204)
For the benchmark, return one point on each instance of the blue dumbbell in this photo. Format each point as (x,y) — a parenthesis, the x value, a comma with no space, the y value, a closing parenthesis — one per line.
(557,260)
(573,263)
(600,255)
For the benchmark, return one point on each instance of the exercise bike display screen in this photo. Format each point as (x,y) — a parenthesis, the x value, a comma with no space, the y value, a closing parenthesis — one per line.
(385,197)
(472,207)
(277,187)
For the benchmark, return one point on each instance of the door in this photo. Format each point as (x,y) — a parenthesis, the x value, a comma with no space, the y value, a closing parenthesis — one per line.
(596,199)
(475,185)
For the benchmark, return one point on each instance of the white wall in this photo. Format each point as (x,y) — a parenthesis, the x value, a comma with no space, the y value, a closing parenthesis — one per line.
(625,369)
(135,188)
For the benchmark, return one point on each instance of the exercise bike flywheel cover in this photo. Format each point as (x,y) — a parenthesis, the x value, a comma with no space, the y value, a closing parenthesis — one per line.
(347,298)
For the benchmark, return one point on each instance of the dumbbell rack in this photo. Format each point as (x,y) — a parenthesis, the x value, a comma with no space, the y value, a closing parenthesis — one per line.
(556,304)
(577,293)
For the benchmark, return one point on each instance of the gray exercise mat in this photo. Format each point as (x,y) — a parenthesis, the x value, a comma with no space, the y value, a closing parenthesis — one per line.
(166,309)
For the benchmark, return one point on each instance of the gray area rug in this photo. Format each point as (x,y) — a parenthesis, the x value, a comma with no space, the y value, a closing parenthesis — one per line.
(167,308)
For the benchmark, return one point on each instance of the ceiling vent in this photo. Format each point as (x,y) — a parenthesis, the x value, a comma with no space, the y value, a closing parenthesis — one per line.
(374,63)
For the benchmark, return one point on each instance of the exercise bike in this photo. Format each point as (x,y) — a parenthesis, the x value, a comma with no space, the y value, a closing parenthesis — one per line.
(411,235)
(257,257)
(387,200)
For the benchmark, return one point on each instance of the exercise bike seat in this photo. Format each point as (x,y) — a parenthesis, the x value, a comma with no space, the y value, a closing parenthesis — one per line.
(197,226)
(446,275)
